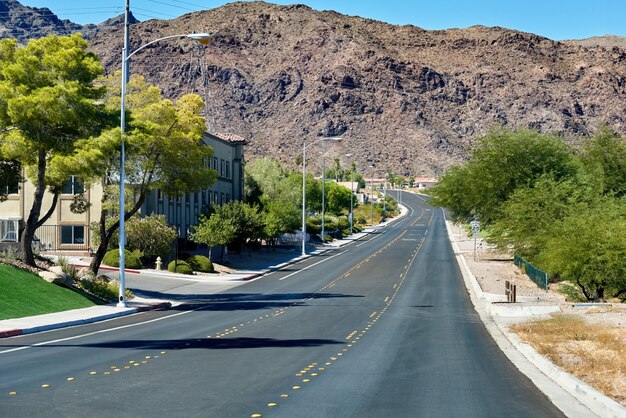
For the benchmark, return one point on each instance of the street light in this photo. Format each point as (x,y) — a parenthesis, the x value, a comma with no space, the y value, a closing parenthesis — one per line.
(372,197)
(351,193)
(203,38)
(304,147)
(323,195)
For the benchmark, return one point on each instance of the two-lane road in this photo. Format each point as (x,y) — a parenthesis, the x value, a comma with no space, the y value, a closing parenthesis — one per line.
(382,327)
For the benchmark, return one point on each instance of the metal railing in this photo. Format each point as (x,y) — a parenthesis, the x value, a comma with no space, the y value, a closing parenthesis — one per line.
(538,276)
(61,237)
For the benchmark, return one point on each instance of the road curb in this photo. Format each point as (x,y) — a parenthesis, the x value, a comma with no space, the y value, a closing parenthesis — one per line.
(83,321)
(589,398)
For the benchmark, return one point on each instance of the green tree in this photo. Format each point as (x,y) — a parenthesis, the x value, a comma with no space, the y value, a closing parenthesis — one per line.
(47,102)
(272,189)
(531,212)
(605,155)
(337,198)
(164,151)
(502,162)
(588,247)
(281,216)
(151,236)
(214,230)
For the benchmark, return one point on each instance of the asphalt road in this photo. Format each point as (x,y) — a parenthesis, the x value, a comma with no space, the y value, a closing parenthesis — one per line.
(380,328)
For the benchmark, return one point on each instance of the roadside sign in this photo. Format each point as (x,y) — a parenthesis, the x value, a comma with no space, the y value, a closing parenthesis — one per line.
(475,226)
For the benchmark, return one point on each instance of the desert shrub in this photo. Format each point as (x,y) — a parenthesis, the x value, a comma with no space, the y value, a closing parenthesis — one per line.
(103,289)
(179,266)
(131,259)
(200,263)
(67,268)
(150,235)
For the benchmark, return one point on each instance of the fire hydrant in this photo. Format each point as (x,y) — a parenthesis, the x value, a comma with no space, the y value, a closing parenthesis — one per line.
(158,263)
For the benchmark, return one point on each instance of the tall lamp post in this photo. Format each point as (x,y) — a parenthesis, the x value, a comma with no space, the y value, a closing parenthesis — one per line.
(304,147)
(351,193)
(372,197)
(203,38)
(323,195)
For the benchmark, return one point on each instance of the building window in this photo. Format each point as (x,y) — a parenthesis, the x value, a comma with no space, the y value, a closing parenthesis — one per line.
(215,197)
(159,195)
(221,168)
(222,199)
(74,185)
(72,234)
(8,230)
(215,163)
(11,185)
(227,198)
(227,169)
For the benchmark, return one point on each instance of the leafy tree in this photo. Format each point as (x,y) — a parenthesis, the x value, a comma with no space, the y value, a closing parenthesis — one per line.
(531,212)
(216,229)
(281,216)
(588,248)
(605,155)
(337,198)
(164,150)
(151,236)
(502,162)
(47,102)
(266,176)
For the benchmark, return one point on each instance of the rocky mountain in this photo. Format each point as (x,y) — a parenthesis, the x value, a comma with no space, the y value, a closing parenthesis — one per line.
(24,23)
(606,41)
(403,98)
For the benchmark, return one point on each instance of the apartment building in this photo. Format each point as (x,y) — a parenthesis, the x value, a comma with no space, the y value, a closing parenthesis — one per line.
(68,231)
(183,211)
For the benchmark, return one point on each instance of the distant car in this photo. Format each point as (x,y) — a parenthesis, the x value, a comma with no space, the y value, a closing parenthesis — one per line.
(10,236)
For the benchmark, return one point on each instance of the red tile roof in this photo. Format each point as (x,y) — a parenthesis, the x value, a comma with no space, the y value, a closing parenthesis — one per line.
(229,137)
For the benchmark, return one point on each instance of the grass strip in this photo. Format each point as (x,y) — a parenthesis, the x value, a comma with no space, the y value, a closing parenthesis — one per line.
(23,293)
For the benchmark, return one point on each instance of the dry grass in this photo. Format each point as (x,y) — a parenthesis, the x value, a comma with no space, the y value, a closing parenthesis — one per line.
(596,354)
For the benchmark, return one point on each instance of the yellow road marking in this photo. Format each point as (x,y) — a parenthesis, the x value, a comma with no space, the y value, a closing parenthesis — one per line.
(45,386)
(70,379)
(12,393)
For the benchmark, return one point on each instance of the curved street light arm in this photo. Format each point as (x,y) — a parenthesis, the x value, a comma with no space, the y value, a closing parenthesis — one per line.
(201,37)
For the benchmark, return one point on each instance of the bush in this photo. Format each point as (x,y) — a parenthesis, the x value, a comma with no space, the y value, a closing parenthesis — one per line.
(131,259)
(200,263)
(179,266)
(108,291)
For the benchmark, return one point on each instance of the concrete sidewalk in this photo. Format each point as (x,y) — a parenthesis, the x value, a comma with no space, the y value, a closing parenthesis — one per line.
(39,323)
(47,322)
(572,396)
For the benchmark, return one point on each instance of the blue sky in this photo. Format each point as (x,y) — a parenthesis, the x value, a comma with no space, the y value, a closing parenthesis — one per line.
(555,19)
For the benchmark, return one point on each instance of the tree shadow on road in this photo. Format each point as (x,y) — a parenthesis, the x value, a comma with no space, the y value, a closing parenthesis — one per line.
(205,343)
(241,301)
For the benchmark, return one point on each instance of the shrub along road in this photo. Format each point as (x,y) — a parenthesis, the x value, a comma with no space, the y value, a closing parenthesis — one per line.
(381,327)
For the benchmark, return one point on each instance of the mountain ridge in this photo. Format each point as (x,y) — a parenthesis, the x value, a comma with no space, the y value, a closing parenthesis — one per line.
(404,98)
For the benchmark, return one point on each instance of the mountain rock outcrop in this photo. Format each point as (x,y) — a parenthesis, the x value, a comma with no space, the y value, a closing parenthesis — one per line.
(403,98)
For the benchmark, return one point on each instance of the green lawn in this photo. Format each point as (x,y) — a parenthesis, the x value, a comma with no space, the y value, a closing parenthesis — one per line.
(25,294)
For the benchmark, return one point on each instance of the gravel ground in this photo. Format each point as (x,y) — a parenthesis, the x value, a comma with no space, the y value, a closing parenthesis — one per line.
(492,269)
